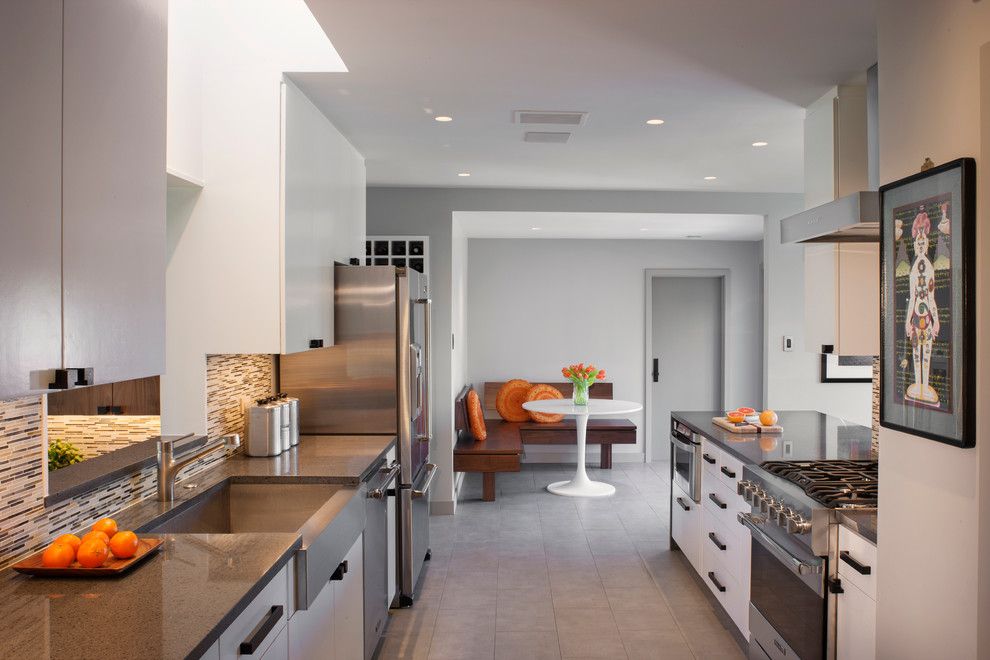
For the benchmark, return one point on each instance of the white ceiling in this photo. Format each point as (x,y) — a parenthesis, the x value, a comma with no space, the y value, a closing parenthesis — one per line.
(666,226)
(721,73)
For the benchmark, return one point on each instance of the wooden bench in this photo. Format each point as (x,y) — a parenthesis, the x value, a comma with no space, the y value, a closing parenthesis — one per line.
(502,451)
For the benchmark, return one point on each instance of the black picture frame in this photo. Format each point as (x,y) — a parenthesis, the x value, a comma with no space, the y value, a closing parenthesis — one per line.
(828,368)
(927,372)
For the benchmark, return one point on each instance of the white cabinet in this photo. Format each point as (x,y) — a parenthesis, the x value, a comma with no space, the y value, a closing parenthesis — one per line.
(685,525)
(333,626)
(113,187)
(30,204)
(260,623)
(82,263)
(322,218)
(842,298)
(855,624)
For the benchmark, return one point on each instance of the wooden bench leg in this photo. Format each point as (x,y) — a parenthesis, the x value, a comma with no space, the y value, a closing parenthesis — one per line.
(488,486)
(606,462)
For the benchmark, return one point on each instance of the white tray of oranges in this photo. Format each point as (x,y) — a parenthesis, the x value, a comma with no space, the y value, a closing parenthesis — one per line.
(104,550)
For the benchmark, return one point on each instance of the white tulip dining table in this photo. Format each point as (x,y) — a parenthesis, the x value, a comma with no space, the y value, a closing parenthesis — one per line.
(581,485)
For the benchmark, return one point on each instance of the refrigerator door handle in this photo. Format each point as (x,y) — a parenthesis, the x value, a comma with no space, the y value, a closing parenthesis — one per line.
(427,364)
(431,472)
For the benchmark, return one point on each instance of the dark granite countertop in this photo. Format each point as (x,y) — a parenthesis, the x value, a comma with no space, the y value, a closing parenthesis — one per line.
(178,602)
(861,521)
(808,435)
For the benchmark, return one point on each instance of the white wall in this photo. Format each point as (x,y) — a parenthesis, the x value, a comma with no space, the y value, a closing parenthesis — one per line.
(222,277)
(430,211)
(934,526)
(521,291)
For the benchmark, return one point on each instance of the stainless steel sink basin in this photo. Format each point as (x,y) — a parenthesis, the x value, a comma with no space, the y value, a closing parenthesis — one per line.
(328,517)
(236,508)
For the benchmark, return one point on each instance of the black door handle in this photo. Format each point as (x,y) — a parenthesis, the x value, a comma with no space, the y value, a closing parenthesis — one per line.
(718,585)
(680,500)
(859,568)
(656,370)
(719,503)
(253,643)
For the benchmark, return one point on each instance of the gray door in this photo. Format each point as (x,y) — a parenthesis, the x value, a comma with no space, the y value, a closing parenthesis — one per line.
(687,344)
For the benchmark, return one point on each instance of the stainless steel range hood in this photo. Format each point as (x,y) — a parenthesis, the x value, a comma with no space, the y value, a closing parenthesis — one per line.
(851,219)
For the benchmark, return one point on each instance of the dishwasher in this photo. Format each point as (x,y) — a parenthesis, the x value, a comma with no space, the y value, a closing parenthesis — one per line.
(379,554)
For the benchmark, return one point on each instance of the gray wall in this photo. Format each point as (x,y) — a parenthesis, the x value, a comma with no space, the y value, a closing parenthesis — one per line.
(525,297)
(392,210)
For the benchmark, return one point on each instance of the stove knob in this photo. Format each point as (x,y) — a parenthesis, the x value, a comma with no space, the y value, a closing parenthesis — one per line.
(784,514)
(796,524)
(775,509)
(766,503)
(741,487)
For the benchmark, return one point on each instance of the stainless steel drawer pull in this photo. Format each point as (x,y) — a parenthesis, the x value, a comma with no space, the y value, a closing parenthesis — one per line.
(260,632)
(718,585)
(431,472)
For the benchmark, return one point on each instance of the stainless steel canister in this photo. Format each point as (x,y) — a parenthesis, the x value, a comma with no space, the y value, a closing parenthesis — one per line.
(264,429)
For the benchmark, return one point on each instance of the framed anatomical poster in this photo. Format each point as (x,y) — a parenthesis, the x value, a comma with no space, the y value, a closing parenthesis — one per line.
(927,304)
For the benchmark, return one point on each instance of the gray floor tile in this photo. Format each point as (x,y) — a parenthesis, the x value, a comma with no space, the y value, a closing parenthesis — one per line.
(526,646)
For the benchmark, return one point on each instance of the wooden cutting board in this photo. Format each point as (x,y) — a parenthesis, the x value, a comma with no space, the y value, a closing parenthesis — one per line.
(745,428)
(113,566)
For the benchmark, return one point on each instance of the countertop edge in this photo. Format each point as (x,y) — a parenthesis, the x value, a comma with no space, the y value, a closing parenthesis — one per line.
(204,645)
(718,442)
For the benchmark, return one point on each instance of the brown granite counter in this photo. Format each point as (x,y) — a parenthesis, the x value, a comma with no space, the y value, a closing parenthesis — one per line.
(177,603)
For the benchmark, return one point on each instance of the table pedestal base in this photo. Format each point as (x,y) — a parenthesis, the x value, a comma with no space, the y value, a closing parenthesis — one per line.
(587,488)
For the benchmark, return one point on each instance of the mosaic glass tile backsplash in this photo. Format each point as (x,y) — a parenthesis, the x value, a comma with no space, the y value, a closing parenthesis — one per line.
(26,525)
(94,435)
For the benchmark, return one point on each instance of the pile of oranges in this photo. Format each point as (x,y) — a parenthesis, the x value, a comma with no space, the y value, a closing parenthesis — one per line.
(93,549)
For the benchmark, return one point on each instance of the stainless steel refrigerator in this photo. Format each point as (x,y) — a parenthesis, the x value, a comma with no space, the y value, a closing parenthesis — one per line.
(375,380)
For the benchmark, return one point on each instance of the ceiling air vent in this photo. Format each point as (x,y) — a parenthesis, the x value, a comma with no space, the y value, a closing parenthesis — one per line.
(546,137)
(555,117)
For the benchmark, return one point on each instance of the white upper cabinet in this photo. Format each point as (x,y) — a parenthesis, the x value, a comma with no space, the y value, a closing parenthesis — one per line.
(113,187)
(323,218)
(30,204)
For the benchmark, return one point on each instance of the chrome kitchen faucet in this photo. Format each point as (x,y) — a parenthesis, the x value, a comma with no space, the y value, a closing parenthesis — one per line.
(169,467)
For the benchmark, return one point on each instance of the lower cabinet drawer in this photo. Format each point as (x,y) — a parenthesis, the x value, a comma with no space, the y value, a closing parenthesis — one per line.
(731,546)
(857,561)
(685,525)
(279,650)
(729,591)
(721,501)
(261,622)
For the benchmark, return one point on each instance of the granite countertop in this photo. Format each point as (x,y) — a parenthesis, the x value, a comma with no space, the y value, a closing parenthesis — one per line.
(808,435)
(179,601)
(861,521)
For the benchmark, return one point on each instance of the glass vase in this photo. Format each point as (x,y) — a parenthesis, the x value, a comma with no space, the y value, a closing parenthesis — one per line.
(580,393)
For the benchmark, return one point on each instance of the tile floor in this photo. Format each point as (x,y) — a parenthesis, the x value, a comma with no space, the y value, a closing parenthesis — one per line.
(535,576)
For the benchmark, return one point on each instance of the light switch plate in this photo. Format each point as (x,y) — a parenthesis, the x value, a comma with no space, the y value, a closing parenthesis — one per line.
(788,343)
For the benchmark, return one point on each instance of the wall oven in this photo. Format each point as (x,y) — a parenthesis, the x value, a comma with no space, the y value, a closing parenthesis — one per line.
(685,459)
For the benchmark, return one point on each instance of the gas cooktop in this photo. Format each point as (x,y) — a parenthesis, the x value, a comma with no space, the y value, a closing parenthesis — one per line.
(835,484)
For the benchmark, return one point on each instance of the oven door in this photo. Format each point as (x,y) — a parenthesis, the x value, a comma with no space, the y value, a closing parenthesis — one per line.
(685,465)
(788,611)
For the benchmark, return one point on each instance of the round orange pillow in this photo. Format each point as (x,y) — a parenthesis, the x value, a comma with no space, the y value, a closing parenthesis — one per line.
(539,393)
(476,420)
(510,398)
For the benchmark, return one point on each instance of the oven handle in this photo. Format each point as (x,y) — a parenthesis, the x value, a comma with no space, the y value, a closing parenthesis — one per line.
(687,444)
(431,471)
(780,552)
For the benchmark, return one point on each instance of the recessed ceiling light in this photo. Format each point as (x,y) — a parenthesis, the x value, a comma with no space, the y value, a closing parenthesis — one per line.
(710,178)
(761,143)
(654,122)
(534,229)
(463,174)
(443,118)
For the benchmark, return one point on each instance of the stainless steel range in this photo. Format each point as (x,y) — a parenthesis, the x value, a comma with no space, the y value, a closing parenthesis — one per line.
(795,531)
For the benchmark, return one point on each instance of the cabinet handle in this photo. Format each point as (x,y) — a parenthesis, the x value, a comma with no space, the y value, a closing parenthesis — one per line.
(709,459)
(729,473)
(719,503)
(260,632)
(718,544)
(718,585)
(835,586)
(316,343)
(339,573)
(859,568)
(680,500)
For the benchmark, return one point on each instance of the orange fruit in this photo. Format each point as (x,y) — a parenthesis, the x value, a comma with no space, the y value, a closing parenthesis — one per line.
(58,555)
(123,545)
(70,539)
(106,525)
(768,418)
(92,553)
(89,536)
